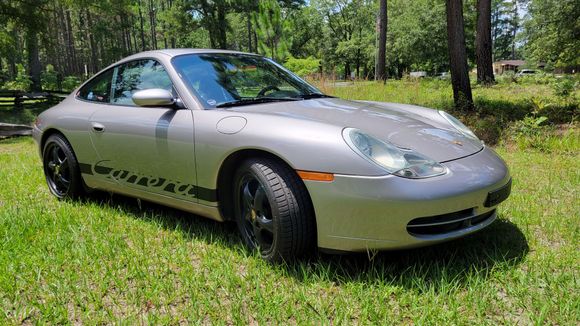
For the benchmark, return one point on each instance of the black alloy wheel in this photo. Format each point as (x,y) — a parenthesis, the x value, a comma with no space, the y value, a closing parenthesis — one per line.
(273,210)
(61,168)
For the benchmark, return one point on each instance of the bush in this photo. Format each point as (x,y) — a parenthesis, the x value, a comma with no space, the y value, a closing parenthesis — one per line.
(564,87)
(70,83)
(22,81)
(303,67)
(49,78)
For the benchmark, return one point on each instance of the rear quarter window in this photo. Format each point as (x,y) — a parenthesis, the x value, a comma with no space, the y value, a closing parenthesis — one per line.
(98,89)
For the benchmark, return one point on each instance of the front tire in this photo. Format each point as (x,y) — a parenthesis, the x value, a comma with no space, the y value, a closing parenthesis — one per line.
(273,210)
(61,168)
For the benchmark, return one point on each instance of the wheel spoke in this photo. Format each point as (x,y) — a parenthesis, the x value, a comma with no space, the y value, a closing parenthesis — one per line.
(55,157)
(64,179)
(63,182)
(265,224)
(248,197)
(256,213)
(57,182)
(259,199)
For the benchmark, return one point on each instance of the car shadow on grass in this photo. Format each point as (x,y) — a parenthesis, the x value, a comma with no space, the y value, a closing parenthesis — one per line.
(498,248)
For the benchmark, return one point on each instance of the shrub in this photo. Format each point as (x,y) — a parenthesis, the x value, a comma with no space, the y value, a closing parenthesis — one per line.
(303,67)
(70,82)
(21,82)
(49,78)
(564,87)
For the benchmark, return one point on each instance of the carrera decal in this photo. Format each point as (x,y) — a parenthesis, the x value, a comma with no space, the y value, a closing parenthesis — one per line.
(128,177)
(85,168)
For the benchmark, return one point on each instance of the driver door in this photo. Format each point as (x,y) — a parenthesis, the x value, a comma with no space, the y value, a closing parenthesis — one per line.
(145,148)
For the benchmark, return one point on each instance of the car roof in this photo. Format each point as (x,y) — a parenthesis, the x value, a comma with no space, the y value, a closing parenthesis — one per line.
(176,52)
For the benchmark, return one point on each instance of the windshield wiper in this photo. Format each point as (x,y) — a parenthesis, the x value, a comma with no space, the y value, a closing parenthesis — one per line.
(315,95)
(256,100)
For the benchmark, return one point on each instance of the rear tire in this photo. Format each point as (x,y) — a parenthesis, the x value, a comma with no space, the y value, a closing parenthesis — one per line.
(61,168)
(273,210)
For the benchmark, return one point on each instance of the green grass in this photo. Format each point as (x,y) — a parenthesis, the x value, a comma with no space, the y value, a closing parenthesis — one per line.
(109,259)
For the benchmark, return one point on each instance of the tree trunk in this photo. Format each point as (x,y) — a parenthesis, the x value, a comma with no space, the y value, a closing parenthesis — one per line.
(122,35)
(13,71)
(221,15)
(34,67)
(164,27)
(255,40)
(133,34)
(71,44)
(141,26)
(515,29)
(249,26)
(152,23)
(457,55)
(347,70)
(380,67)
(483,48)
(61,42)
(358,56)
(154,28)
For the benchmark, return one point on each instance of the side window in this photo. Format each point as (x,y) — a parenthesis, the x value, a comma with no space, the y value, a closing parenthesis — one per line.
(98,89)
(135,76)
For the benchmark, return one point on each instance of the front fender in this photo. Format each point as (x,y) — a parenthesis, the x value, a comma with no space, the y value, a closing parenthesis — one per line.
(303,144)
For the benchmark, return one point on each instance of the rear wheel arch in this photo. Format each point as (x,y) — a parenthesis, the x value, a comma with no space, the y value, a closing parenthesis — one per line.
(49,132)
(61,168)
(53,131)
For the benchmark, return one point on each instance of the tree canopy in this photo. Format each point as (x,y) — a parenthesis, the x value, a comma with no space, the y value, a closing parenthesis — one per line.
(78,38)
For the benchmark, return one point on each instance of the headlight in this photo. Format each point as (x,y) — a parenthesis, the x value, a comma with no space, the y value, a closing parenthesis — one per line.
(401,162)
(458,125)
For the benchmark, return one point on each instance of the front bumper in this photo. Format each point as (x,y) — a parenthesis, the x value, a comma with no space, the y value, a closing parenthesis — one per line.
(357,213)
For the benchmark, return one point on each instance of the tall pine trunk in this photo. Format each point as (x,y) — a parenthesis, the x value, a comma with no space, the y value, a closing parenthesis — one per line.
(483,46)
(75,68)
(458,56)
(152,25)
(92,43)
(380,68)
(221,16)
(142,32)
(249,27)
(34,67)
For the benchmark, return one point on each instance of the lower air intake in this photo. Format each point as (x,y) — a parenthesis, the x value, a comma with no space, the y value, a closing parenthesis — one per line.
(446,223)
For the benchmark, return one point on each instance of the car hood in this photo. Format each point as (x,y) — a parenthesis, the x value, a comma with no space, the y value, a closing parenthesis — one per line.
(406,126)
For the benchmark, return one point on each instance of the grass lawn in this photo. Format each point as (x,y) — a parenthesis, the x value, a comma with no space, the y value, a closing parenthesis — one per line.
(114,259)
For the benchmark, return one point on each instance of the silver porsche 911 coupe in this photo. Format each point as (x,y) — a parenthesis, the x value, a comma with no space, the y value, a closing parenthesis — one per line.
(236,137)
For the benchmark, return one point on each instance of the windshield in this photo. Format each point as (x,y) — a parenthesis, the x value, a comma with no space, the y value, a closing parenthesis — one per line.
(223,79)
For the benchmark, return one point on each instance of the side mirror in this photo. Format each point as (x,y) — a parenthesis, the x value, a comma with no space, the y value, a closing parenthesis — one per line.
(153,97)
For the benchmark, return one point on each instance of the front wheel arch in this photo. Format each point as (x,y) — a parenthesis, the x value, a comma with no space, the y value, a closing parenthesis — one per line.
(226,177)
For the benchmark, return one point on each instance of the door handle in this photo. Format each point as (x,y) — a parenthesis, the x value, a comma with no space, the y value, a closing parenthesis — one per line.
(97,127)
